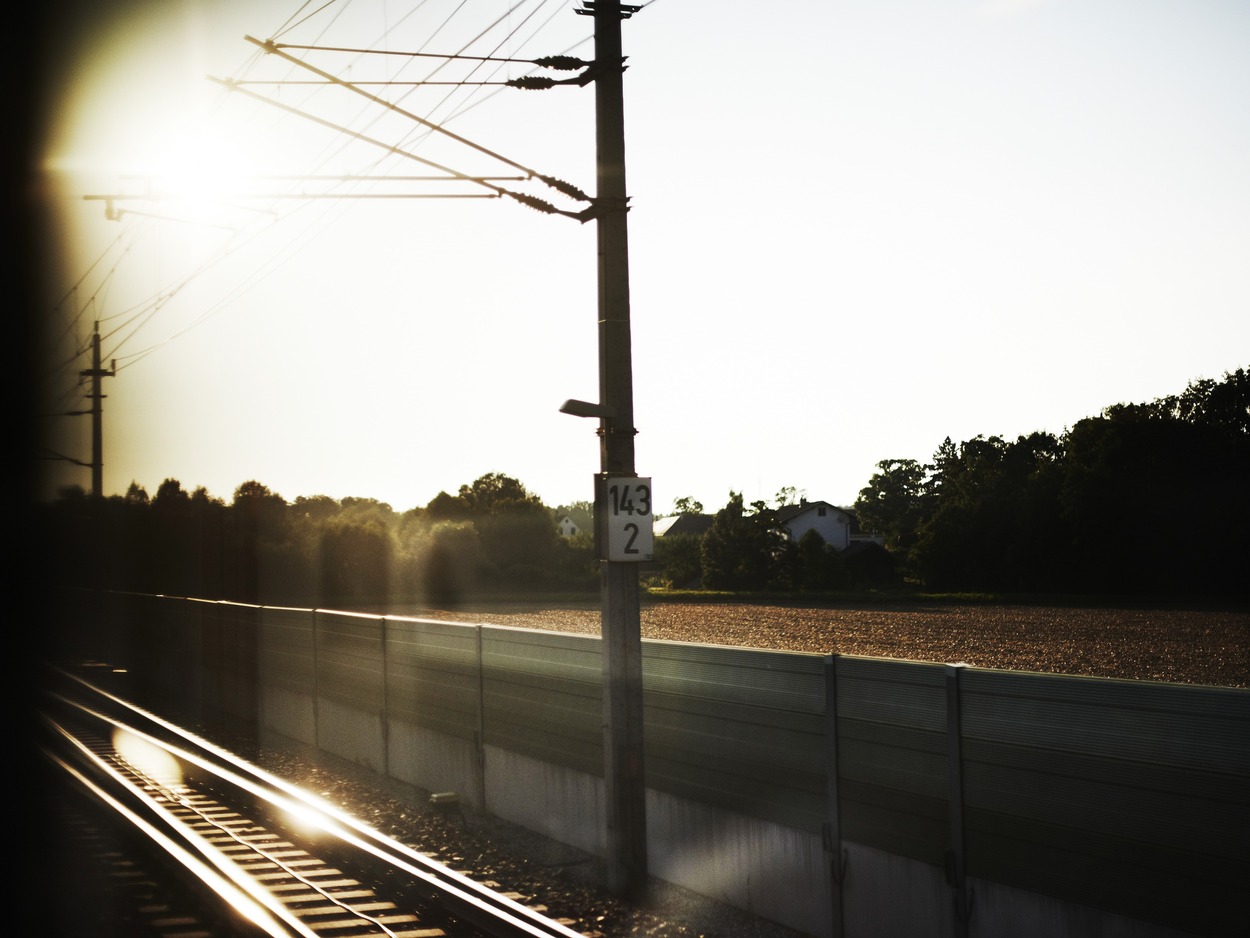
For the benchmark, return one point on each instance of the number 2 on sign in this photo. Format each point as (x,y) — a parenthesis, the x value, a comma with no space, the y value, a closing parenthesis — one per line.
(628,521)
(630,499)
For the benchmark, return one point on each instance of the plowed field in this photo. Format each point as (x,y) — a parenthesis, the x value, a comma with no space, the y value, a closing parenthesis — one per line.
(1140,644)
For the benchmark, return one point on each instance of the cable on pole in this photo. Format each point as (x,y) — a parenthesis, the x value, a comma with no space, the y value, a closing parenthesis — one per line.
(533,202)
(273,48)
(566,63)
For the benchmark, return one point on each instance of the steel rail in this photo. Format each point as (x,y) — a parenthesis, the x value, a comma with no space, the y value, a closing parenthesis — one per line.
(212,768)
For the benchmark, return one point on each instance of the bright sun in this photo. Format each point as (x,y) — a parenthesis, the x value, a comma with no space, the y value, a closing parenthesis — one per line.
(196,176)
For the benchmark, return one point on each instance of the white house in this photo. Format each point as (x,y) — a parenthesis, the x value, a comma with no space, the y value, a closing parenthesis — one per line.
(832,523)
(573,521)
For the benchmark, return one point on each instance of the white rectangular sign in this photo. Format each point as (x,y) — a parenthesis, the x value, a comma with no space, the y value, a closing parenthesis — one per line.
(629,518)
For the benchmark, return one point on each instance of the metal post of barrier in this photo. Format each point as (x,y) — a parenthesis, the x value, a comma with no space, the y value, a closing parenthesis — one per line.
(316,686)
(479,735)
(955,871)
(834,850)
(386,709)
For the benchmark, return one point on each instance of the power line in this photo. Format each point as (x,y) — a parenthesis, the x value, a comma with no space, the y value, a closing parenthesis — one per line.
(559,62)
(523,198)
(141,315)
(563,187)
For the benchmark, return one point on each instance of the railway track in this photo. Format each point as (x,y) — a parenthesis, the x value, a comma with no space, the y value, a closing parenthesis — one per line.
(159,832)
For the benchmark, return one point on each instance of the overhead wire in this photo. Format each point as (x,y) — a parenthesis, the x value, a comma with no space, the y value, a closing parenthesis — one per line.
(142,314)
(295,20)
(556,184)
(429,114)
(482,98)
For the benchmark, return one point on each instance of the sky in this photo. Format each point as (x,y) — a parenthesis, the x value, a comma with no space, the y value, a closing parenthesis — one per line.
(856,229)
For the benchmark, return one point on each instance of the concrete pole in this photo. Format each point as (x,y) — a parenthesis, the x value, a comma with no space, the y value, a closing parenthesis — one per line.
(95,373)
(626,818)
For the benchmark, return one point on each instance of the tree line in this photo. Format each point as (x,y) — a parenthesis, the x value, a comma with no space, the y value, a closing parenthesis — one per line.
(745,549)
(493,534)
(1144,499)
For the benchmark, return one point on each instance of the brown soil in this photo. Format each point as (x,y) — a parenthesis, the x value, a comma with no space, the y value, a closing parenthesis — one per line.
(1180,646)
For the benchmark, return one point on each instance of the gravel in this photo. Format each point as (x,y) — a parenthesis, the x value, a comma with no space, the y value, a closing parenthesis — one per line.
(565,883)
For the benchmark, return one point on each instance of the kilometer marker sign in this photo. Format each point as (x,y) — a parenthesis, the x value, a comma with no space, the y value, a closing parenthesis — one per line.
(629,524)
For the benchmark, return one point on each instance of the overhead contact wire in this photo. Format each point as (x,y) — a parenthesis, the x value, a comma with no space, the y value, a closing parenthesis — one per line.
(566,188)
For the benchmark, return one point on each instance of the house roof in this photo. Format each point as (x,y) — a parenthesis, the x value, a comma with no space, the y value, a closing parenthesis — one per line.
(789,512)
(691,523)
(583,519)
(682,524)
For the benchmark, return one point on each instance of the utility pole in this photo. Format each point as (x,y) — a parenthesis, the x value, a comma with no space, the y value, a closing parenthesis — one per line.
(96,395)
(620,613)
(624,777)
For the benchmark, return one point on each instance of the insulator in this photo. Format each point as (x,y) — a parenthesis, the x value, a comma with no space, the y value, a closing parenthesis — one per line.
(566,187)
(563,63)
(531,83)
(535,203)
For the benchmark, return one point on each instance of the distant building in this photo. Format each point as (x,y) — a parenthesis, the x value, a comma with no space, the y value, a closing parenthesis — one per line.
(868,563)
(573,521)
(832,523)
(837,526)
(689,523)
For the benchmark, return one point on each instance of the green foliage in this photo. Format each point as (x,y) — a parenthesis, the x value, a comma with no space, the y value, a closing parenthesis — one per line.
(818,566)
(496,493)
(353,553)
(444,507)
(994,523)
(788,495)
(518,532)
(452,566)
(896,499)
(354,560)
(741,551)
(1172,489)
(678,561)
(1143,499)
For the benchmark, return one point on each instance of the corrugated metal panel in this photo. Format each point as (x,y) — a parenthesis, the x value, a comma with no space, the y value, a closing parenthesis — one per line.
(433,675)
(785,741)
(287,648)
(1189,810)
(892,756)
(164,643)
(526,651)
(426,643)
(542,695)
(1157,723)
(1122,795)
(895,757)
(231,656)
(795,804)
(744,732)
(898,693)
(1133,796)
(773,679)
(349,660)
(899,822)
(558,729)
(1145,882)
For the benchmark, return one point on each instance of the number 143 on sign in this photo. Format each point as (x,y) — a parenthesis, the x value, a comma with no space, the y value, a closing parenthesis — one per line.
(626,508)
